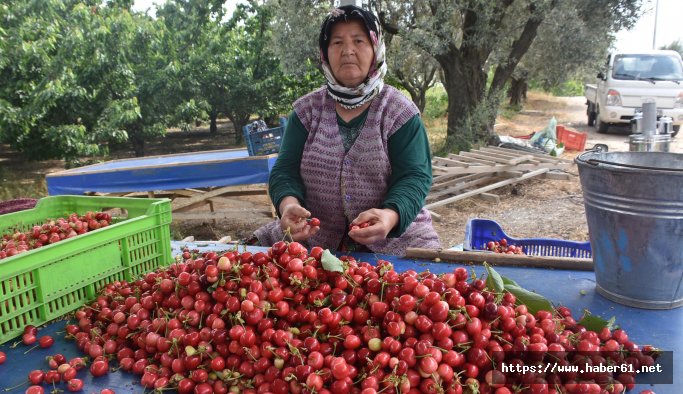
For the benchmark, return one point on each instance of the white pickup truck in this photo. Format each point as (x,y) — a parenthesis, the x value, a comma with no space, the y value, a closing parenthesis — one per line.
(627,80)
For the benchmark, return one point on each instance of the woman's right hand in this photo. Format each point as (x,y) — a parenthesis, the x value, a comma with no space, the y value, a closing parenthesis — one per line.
(293,218)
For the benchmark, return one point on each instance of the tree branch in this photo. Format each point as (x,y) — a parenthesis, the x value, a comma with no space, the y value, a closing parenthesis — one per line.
(519,47)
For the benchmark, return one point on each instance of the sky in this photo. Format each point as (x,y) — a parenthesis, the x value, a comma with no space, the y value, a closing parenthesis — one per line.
(669,17)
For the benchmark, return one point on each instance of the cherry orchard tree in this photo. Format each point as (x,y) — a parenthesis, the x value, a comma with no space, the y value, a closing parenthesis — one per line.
(82,76)
(231,64)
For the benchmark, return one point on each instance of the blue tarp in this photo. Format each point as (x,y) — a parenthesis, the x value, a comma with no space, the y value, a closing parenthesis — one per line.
(168,172)
(574,289)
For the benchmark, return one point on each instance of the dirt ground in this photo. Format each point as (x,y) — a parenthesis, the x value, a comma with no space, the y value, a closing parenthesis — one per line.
(533,208)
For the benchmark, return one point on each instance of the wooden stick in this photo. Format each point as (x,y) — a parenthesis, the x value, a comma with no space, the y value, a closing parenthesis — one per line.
(486,188)
(500,259)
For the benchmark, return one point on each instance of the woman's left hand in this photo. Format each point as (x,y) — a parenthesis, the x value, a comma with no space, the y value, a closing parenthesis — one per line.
(380,223)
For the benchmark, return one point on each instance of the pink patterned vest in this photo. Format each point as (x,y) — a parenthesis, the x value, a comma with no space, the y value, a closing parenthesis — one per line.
(354,181)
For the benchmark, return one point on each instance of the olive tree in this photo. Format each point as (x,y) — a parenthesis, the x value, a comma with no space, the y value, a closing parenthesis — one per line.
(479,44)
(572,43)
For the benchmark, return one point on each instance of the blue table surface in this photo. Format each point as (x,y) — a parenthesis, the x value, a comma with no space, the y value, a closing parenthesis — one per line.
(574,289)
(163,160)
(170,172)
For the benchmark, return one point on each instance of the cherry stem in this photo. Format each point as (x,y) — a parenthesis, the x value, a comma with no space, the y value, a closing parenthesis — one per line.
(14,387)
(31,349)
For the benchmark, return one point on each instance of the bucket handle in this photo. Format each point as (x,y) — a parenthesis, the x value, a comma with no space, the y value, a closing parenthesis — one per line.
(595,162)
(597,148)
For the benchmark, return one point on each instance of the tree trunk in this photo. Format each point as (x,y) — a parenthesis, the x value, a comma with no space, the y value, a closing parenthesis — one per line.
(238,122)
(465,84)
(138,145)
(517,91)
(213,128)
(417,96)
(421,100)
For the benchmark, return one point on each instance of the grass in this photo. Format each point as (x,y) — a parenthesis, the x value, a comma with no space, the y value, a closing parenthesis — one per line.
(15,184)
(436,132)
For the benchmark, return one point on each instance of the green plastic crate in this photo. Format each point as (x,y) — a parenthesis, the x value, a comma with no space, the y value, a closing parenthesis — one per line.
(48,282)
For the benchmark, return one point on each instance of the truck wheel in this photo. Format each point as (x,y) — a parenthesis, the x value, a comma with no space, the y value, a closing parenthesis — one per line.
(590,112)
(600,125)
(675,130)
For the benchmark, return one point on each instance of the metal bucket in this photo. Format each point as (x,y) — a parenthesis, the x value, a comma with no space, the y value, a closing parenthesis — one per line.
(634,210)
(649,143)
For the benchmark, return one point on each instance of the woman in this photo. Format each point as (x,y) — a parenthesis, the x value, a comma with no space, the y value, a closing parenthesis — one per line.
(355,153)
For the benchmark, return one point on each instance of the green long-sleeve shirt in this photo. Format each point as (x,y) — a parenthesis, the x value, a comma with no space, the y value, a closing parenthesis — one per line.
(409,155)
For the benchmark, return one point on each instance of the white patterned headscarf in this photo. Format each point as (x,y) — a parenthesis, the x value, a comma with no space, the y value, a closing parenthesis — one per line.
(353,97)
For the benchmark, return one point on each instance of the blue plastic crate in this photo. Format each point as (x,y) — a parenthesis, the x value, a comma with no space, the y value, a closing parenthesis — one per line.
(263,142)
(480,231)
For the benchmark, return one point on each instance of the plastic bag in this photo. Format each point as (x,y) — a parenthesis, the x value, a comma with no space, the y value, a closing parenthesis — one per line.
(546,139)
(258,125)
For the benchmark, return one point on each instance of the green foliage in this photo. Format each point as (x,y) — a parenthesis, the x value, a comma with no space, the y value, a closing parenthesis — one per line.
(437,103)
(85,76)
(232,65)
(80,76)
(573,42)
(568,88)
(296,27)
(676,45)
(571,87)
(509,111)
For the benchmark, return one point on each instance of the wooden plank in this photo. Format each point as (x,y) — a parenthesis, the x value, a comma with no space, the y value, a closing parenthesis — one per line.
(522,159)
(446,162)
(439,170)
(512,158)
(470,170)
(187,192)
(454,179)
(436,180)
(500,259)
(222,214)
(233,190)
(487,188)
(502,168)
(232,202)
(456,188)
(157,193)
(497,159)
(468,159)
(538,156)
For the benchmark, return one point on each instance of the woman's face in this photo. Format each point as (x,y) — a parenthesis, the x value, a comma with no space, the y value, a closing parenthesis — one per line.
(350,53)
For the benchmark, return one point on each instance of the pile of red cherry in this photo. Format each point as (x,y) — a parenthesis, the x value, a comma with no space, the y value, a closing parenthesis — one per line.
(52,231)
(278,322)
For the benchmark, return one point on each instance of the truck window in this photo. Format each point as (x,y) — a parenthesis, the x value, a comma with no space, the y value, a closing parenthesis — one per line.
(648,67)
